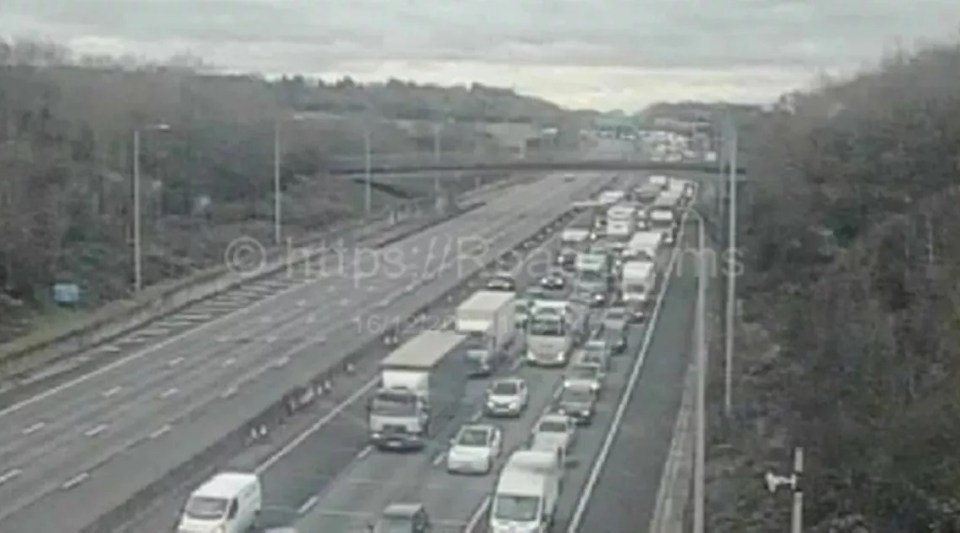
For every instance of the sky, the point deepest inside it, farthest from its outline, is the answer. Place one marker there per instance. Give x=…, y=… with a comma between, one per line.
x=600, y=54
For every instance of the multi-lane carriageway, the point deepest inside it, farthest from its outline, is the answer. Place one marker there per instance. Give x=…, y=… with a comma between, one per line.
x=77, y=450
x=351, y=499
x=329, y=480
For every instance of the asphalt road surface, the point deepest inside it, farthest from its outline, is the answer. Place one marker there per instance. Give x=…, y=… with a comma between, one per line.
x=79, y=449
x=624, y=497
x=457, y=503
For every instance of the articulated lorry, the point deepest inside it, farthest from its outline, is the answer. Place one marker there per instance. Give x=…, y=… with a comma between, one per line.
x=488, y=319
x=421, y=382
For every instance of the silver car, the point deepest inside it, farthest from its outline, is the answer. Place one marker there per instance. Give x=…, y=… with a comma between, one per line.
x=506, y=397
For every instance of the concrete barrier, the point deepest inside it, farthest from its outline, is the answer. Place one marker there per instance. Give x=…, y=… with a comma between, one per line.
x=23, y=355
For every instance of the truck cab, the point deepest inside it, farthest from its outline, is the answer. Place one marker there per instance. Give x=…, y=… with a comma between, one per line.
x=399, y=418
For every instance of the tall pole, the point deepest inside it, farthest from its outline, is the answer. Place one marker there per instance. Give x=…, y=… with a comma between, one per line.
x=276, y=182
x=797, y=515
x=436, y=159
x=701, y=417
x=137, y=257
x=731, y=279
x=366, y=156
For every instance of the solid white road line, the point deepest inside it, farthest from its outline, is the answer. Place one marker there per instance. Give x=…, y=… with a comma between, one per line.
x=474, y=522
x=631, y=384
x=317, y=426
x=307, y=505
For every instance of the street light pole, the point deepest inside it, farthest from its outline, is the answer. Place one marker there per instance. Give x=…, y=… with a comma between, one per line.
x=137, y=230
x=137, y=259
x=276, y=183
x=793, y=481
x=367, y=156
x=436, y=158
x=731, y=279
x=701, y=353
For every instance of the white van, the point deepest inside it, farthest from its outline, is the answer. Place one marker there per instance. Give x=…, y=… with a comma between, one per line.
x=525, y=497
x=228, y=502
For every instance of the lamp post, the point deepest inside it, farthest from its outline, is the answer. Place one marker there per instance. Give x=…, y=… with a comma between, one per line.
x=731, y=278
x=367, y=159
x=774, y=482
x=277, y=195
x=137, y=237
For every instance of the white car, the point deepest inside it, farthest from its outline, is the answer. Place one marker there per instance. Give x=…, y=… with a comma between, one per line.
x=475, y=449
x=556, y=428
x=506, y=397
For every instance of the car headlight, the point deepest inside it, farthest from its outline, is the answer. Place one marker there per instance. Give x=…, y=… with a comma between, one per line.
x=567, y=384
x=561, y=355
x=220, y=529
x=595, y=386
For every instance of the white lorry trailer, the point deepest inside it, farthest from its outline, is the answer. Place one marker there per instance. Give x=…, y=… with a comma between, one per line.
x=421, y=382
x=573, y=236
x=636, y=289
x=525, y=498
x=644, y=245
x=488, y=319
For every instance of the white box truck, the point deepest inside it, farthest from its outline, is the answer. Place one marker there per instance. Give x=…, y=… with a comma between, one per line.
x=574, y=235
x=488, y=319
x=644, y=245
x=420, y=382
x=525, y=497
x=636, y=289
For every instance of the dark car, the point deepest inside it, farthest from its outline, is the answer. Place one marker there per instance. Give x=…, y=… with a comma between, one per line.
x=553, y=281
x=502, y=282
x=615, y=324
x=579, y=403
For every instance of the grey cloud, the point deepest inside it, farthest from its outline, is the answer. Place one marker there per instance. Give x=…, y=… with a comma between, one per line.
x=631, y=33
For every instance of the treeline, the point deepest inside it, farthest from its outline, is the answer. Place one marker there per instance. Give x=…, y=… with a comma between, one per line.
x=66, y=159
x=853, y=240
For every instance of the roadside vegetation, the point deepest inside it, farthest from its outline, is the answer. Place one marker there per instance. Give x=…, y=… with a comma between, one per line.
x=66, y=162
x=850, y=345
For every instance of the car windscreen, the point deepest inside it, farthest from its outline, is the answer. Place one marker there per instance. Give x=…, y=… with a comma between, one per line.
x=574, y=395
x=583, y=372
x=205, y=508
x=516, y=508
x=473, y=437
x=393, y=404
x=394, y=524
x=504, y=388
x=546, y=326
x=552, y=426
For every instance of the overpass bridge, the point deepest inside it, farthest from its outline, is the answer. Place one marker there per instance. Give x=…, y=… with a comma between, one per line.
x=398, y=165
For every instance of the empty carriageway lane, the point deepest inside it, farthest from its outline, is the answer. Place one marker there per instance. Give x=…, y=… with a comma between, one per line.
x=620, y=490
x=85, y=473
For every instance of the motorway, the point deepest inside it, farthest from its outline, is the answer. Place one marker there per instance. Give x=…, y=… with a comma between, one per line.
x=81, y=448
x=332, y=482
